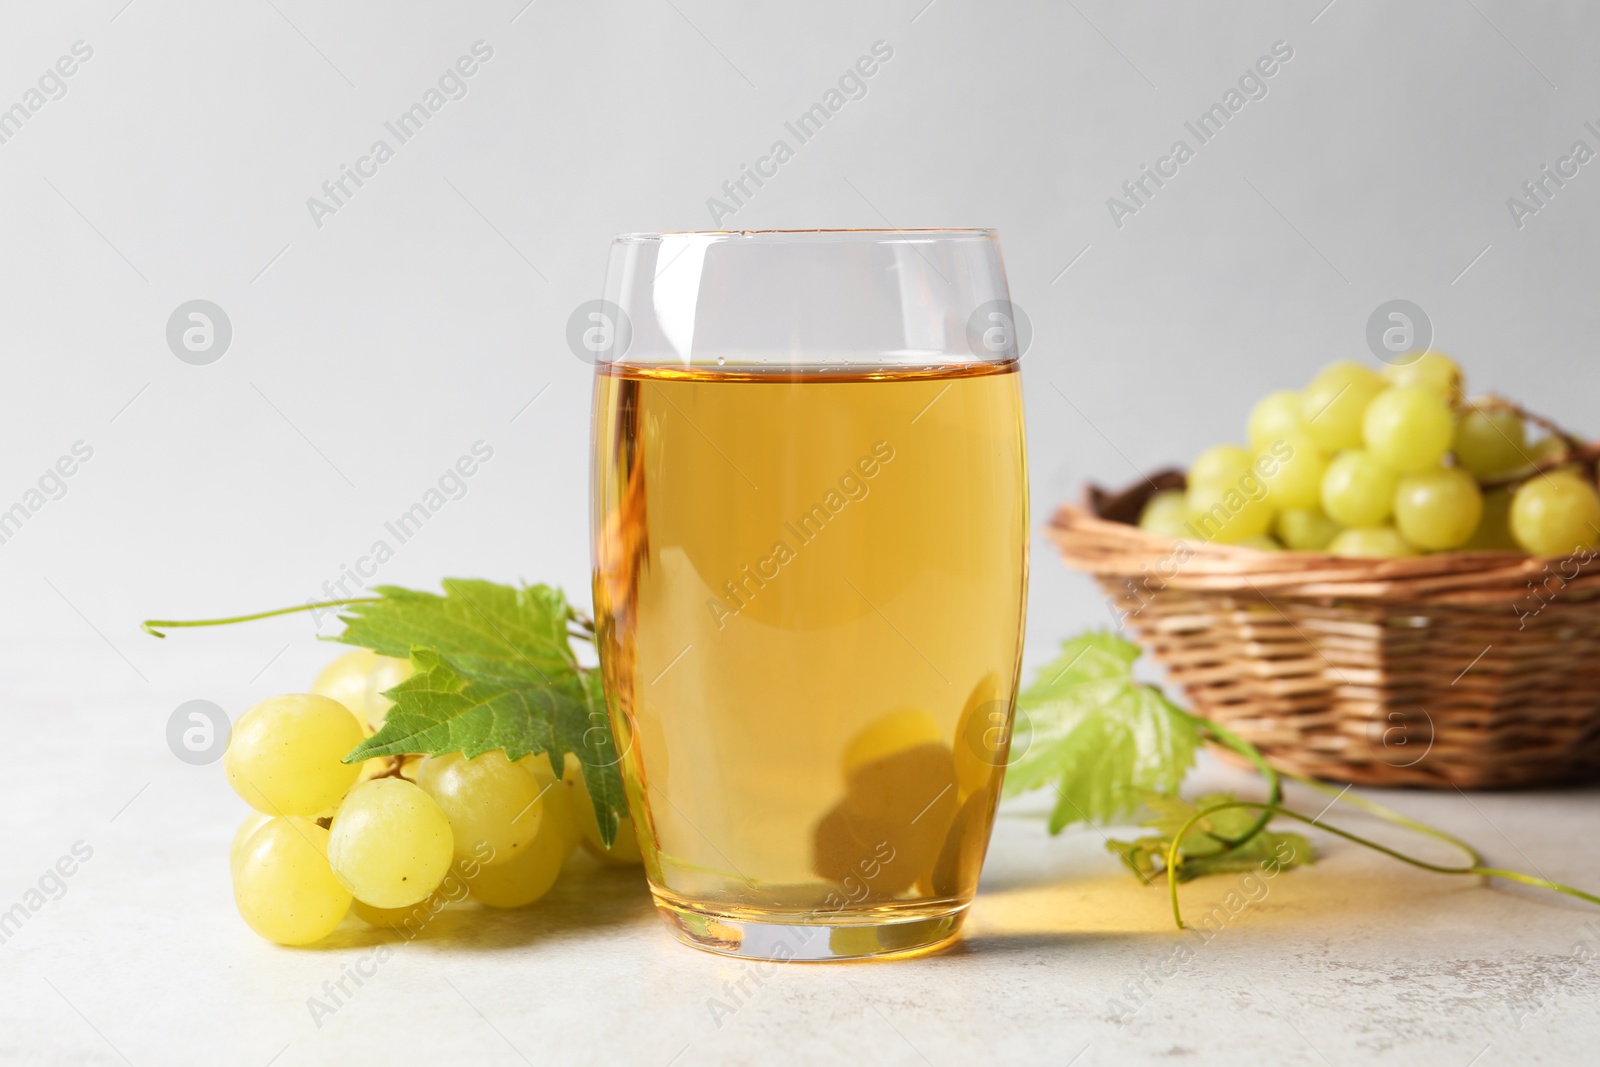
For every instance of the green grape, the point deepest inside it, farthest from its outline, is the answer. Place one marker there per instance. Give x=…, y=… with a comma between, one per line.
x=1275, y=415
x=1544, y=450
x=528, y=875
x=1378, y=542
x=560, y=800
x=1261, y=542
x=1437, y=509
x=390, y=845
x=1555, y=514
x=387, y=673
x=1295, y=466
x=1549, y=448
x=1357, y=490
x=625, y=849
x=1305, y=529
x=1494, y=528
x=1223, y=512
x=1491, y=442
x=345, y=680
x=1222, y=482
x=376, y=767
x=1433, y=371
x=283, y=886
x=1166, y=513
x=1220, y=464
x=1333, y=404
x=241, y=837
x=1408, y=429
x=284, y=755
x=488, y=800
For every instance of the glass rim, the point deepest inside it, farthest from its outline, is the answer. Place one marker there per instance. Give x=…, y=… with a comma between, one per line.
x=865, y=233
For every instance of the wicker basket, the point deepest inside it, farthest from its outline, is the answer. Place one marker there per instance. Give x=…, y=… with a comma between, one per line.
x=1440, y=671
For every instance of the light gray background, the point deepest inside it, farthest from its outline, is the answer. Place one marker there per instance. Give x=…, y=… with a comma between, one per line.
x=370, y=353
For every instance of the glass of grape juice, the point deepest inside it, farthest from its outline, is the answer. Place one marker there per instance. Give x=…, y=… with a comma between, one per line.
x=810, y=531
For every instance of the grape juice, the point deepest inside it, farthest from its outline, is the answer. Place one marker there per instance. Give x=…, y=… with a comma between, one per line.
x=809, y=591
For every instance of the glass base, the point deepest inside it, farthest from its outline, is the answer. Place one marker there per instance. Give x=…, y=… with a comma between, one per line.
x=811, y=941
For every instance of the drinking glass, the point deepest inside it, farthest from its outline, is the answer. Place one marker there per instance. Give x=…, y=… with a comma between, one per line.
x=810, y=530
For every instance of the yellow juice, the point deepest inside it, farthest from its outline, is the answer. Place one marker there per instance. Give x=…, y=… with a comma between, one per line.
x=809, y=591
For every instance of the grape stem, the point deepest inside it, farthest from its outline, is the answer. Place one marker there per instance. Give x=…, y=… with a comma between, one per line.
x=1270, y=811
x=582, y=627
x=394, y=770
x=1228, y=739
x=153, y=627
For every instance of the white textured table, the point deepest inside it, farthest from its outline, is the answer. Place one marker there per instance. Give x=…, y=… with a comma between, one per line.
x=143, y=960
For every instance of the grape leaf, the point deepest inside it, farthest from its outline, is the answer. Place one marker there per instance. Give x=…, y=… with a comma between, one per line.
x=1097, y=735
x=484, y=629
x=1205, y=848
x=493, y=669
x=600, y=759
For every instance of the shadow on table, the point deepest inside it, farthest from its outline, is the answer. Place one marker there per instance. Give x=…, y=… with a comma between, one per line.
x=1039, y=890
x=589, y=894
x=976, y=945
x=1065, y=894
x=1345, y=891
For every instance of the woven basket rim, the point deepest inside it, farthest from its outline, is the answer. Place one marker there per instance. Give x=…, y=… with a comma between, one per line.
x=1108, y=548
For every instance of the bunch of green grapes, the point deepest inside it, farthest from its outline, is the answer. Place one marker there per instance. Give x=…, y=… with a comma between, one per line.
x=392, y=839
x=1360, y=463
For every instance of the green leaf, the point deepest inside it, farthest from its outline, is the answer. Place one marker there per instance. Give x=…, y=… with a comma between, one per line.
x=486, y=630
x=493, y=669
x=600, y=760
x=1097, y=735
x=1205, y=849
